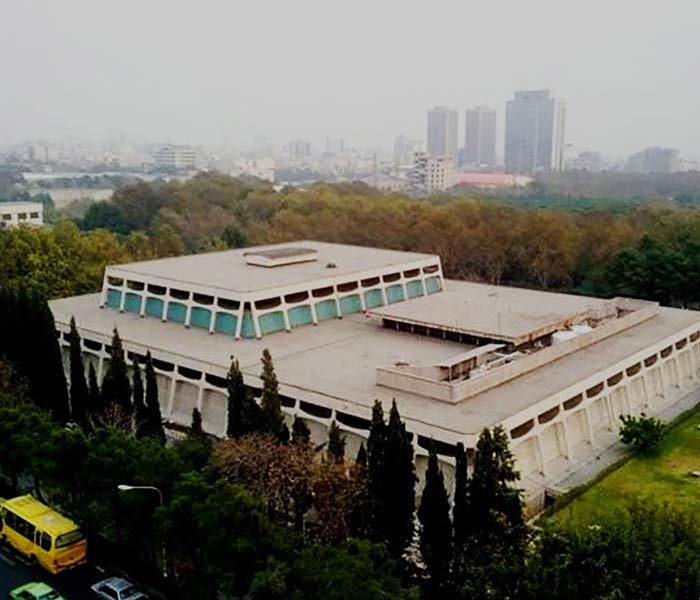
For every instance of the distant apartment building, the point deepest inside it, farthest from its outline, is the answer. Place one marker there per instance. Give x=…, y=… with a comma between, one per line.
x=299, y=149
x=586, y=161
x=181, y=158
x=13, y=214
x=480, y=137
x=534, y=132
x=431, y=174
x=335, y=146
x=442, y=132
x=262, y=168
x=655, y=159
x=404, y=149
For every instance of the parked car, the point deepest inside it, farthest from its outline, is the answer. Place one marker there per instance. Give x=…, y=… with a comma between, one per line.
x=118, y=588
x=35, y=591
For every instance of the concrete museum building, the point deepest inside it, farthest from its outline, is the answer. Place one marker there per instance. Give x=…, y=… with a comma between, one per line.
x=347, y=325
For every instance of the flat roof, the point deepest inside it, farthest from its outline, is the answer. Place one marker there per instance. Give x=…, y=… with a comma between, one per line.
x=335, y=362
x=228, y=270
x=497, y=312
x=21, y=205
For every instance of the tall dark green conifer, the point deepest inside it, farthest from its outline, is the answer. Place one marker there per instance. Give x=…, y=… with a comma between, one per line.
x=376, y=484
x=79, y=395
x=460, y=509
x=435, y=527
x=196, y=430
x=273, y=421
x=243, y=415
x=495, y=502
x=336, y=444
x=361, y=459
x=140, y=412
x=301, y=434
x=116, y=389
x=94, y=407
x=400, y=477
x=155, y=420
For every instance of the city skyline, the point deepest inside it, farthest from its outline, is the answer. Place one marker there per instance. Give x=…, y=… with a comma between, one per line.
x=320, y=81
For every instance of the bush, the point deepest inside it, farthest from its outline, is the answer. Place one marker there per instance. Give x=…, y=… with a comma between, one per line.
x=643, y=433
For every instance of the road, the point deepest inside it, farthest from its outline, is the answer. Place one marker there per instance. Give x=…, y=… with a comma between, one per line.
x=73, y=585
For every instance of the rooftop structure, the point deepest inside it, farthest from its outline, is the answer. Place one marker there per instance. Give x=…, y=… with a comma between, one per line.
x=554, y=370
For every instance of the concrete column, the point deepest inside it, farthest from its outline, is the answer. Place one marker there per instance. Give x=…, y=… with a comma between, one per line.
x=239, y=321
x=285, y=308
x=200, y=396
x=171, y=394
x=103, y=295
x=645, y=387
x=384, y=296
x=363, y=305
x=212, y=319
x=423, y=286
x=100, y=367
x=540, y=453
x=144, y=297
x=609, y=410
x=628, y=403
x=693, y=364
x=564, y=431
x=256, y=324
x=589, y=428
x=166, y=306
x=662, y=375
x=339, y=314
x=188, y=314
x=123, y=299
x=314, y=316
x=403, y=286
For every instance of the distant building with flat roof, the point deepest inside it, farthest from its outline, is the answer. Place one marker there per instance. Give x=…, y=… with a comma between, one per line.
x=442, y=132
x=13, y=214
x=480, y=137
x=348, y=325
x=181, y=158
x=534, y=132
x=431, y=174
x=655, y=159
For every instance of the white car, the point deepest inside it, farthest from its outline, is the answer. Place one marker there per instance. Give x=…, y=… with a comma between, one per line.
x=117, y=588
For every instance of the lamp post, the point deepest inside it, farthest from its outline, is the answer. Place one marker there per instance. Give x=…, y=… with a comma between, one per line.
x=128, y=488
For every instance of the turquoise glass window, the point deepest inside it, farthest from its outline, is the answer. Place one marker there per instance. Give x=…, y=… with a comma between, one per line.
x=432, y=284
x=271, y=322
x=132, y=303
x=200, y=317
x=326, y=310
x=114, y=298
x=247, y=327
x=414, y=289
x=154, y=307
x=350, y=305
x=225, y=323
x=394, y=293
x=177, y=312
x=300, y=315
x=373, y=298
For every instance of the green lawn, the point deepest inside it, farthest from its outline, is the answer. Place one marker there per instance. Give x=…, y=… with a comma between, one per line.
x=665, y=477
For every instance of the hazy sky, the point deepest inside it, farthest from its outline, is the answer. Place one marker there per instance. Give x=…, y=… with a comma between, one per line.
x=203, y=71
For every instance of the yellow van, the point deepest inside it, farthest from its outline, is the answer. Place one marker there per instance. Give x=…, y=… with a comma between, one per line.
x=42, y=534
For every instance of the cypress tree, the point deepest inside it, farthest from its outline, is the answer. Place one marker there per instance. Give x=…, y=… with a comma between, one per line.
x=435, y=525
x=140, y=412
x=116, y=389
x=496, y=505
x=361, y=459
x=243, y=415
x=400, y=477
x=376, y=484
x=154, y=418
x=94, y=407
x=460, y=509
x=196, y=430
x=301, y=434
x=79, y=395
x=273, y=421
x=336, y=444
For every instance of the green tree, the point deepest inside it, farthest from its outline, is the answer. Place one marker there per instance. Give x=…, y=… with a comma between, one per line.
x=644, y=433
x=336, y=444
x=301, y=434
x=243, y=414
x=196, y=430
x=154, y=420
x=435, y=527
x=94, y=407
x=116, y=389
x=376, y=484
x=140, y=412
x=273, y=421
x=361, y=459
x=79, y=395
x=460, y=509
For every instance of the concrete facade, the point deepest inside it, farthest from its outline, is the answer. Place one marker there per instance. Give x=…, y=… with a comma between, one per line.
x=558, y=397
x=13, y=214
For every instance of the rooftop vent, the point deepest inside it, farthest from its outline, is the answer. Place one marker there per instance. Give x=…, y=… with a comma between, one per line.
x=279, y=257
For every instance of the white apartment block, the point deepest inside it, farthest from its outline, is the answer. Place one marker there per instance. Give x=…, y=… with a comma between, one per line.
x=13, y=214
x=431, y=173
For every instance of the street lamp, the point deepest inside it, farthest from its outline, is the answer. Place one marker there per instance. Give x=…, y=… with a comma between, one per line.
x=122, y=487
